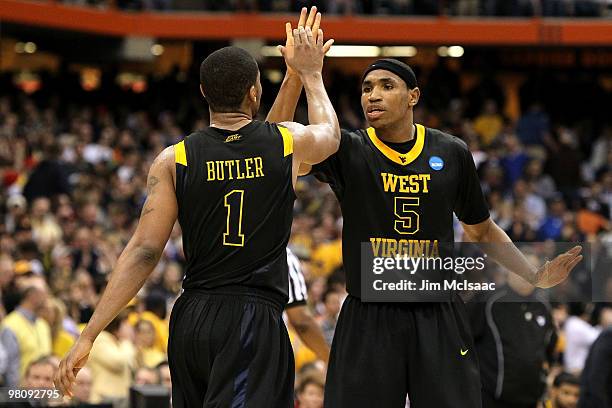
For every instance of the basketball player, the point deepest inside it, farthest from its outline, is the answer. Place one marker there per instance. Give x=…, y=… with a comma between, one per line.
x=231, y=188
x=398, y=181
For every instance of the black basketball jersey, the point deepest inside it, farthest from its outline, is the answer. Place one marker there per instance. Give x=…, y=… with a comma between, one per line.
x=235, y=199
x=401, y=202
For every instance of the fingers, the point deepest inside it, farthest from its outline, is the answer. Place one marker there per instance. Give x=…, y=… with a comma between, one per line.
x=571, y=264
x=309, y=36
x=289, y=33
x=328, y=45
x=317, y=23
x=311, y=17
x=319, y=38
x=296, y=37
x=282, y=49
x=302, y=20
x=303, y=36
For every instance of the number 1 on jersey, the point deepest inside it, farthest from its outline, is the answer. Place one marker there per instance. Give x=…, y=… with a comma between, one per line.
x=233, y=235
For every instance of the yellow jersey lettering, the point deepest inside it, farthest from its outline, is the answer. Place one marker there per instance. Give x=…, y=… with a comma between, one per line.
x=210, y=166
x=425, y=178
x=258, y=167
x=239, y=174
x=230, y=169
x=414, y=183
x=247, y=167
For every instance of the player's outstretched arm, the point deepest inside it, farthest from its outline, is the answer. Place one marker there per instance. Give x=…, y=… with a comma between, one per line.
x=136, y=262
x=309, y=331
x=508, y=255
x=317, y=141
x=288, y=96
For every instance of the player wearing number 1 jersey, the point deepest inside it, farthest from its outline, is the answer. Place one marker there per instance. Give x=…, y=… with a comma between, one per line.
x=231, y=188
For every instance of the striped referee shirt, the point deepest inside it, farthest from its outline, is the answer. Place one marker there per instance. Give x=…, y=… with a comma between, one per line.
x=297, y=284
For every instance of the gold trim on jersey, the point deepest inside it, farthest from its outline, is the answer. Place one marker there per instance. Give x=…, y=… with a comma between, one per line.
x=400, y=158
x=287, y=141
x=180, y=155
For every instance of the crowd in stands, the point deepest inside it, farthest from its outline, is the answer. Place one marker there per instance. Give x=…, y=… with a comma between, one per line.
x=73, y=167
x=514, y=8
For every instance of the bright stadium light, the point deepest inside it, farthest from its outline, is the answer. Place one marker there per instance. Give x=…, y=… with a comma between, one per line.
x=455, y=51
x=270, y=51
x=157, y=49
x=354, y=51
x=399, y=51
x=19, y=47
x=443, y=51
x=29, y=47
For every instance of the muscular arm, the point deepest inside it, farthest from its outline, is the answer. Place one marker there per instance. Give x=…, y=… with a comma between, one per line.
x=509, y=256
x=287, y=99
x=309, y=331
x=145, y=247
x=316, y=142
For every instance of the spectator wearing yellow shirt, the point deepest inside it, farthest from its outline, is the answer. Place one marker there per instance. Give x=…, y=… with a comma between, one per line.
x=489, y=123
x=54, y=314
x=111, y=360
x=25, y=335
x=147, y=355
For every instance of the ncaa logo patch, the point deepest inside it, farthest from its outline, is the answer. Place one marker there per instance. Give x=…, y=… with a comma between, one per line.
x=436, y=163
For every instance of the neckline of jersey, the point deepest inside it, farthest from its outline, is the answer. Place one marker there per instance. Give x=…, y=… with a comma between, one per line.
x=403, y=159
x=222, y=133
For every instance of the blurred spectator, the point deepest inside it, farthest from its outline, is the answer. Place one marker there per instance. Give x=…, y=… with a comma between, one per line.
x=597, y=374
x=533, y=127
x=82, y=387
x=25, y=335
x=553, y=223
x=111, y=360
x=564, y=392
x=54, y=313
x=515, y=339
x=147, y=355
x=164, y=374
x=515, y=159
x=579, y=337
x=49, y=178
x=310, y=392
x=489, y=123
x=146, y=376
x=333, y=303
x=39, y=373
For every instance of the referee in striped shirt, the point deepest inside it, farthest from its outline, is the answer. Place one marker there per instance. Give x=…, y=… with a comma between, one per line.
x=298, y=314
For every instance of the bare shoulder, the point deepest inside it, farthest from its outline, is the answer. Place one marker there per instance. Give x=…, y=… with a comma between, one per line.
x=296, y=129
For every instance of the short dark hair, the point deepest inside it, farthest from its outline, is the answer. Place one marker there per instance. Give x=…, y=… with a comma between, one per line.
x=226, y=76
x=565, y=378
x=308, y=380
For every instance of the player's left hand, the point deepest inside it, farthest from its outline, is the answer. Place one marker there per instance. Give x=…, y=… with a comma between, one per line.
x=71, y=364
x=310, y=20
x=556, y=271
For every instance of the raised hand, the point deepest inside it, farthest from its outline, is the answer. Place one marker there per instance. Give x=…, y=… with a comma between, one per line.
x=313, y=22
x=556, y=271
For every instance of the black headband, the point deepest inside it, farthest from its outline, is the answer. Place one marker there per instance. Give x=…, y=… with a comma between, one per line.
x=397, y=67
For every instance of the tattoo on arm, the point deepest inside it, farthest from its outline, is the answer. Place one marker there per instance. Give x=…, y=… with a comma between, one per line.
x=146, y=210
x=153, y=181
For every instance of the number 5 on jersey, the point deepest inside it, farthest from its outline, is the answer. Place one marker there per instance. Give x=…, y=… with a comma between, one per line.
x=233, y=235
x=408, y=219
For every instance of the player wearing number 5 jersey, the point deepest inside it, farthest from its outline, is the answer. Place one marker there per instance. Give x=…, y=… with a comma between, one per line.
x=398, y=184
x=231, y=188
